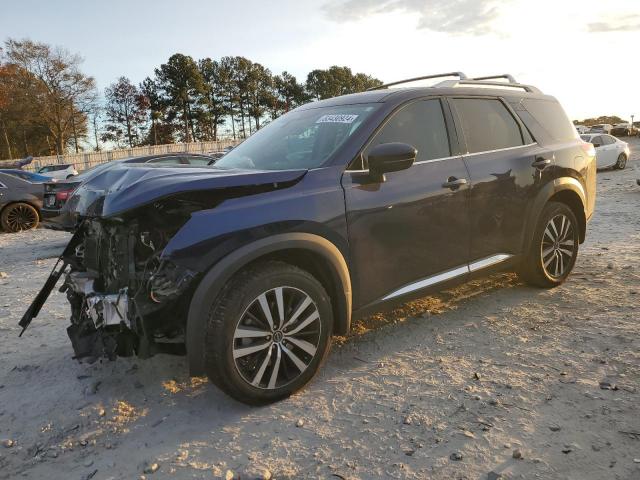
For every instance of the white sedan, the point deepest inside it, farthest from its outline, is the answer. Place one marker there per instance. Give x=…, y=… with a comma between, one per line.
x=59, y=172
x=610, y=151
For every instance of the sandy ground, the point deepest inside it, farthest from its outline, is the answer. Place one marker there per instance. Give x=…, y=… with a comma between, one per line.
x=453, y=386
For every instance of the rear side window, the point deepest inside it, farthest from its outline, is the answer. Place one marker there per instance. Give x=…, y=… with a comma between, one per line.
x=487, y=124
x=420, y=124
x=552, y=118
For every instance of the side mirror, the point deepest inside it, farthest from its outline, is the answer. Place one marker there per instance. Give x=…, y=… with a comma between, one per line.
x=596, y=145
x=390, y=157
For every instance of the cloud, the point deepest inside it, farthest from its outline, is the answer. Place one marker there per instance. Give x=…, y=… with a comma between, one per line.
x=450, y=16
x=627, y=23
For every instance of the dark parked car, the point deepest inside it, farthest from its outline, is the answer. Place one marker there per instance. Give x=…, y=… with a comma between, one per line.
x=20, y=203
x=56, y=194
x=337, y=209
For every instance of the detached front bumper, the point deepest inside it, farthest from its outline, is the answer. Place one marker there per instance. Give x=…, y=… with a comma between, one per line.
x=100, y=323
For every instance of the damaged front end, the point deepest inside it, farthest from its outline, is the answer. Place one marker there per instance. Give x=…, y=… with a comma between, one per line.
x=125, y=298
x=128, y=290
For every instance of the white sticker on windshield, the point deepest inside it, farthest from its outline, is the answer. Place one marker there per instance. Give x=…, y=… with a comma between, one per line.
x=337, y=118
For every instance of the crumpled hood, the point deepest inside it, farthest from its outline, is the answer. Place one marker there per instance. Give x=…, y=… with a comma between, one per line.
x=127, y=186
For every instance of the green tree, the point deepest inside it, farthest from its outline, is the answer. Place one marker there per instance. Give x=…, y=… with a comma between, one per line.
x=213, y=101
x=125, y=110
x=182, y=85
x=337, y=81
x=289, y=94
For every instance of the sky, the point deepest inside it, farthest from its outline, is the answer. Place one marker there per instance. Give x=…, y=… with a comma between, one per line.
x=586, y=53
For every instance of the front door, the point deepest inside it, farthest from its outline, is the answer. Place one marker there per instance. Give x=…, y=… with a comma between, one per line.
x=407, y=230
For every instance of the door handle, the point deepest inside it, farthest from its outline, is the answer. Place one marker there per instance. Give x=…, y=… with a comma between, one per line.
x=454, y=183
x=541, y=163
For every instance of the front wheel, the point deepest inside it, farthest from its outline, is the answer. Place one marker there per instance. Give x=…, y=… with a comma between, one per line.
x=554, y=247
x=267, y=333
x=622, y=161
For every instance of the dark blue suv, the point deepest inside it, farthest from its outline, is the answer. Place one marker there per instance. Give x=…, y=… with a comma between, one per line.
x=337, y=209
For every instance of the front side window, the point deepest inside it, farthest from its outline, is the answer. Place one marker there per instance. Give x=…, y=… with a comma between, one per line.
x=487, y=124
x=420, y=124
x=608, y=140
x=298, y=140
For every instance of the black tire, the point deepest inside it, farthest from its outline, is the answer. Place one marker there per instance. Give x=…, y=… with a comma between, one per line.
x=19, y=216
x=622, y=161
x=239, y=310
x=547, y=264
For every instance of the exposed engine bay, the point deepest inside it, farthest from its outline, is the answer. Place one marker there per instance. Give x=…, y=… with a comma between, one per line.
x=125, y=298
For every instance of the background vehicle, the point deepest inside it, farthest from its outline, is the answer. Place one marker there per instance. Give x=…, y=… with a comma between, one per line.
x=59, y=172
x=582, y=128
x=621, y=130
x=610, y=151
x=25, y=175
x=601, y=128
x=56, y=194
x=339, y=208
x=20, y=203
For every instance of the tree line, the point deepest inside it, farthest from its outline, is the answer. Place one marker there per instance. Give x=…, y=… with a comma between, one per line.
x=49, y=106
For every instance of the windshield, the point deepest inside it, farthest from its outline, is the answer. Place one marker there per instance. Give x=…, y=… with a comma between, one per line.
x=299, y=139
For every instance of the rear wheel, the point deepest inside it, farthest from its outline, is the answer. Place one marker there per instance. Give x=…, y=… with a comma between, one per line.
x=622, y=161
x=267, y=333
x=554, y=247
x=19, y=216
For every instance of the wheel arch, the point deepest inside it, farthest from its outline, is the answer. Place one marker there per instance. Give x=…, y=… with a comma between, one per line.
x=567, y=190
x=312, y=253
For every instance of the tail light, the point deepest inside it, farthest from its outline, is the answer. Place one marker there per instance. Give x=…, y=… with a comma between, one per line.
x=63, y=195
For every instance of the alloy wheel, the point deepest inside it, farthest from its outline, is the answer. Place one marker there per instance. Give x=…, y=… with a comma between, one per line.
x=276, y=338
x=21, y=217
x=558, y=246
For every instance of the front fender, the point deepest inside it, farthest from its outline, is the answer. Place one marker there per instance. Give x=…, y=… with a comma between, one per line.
x=216, y=278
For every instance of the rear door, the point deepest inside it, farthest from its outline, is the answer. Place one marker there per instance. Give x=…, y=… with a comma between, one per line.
x=507, y=169
x=412, y=230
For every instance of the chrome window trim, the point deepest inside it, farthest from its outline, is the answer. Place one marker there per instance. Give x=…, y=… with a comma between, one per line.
x=2, y=185
x=456, y=156
x=468, y=154
x=449, y=274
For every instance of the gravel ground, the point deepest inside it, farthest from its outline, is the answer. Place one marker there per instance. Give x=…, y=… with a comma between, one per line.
x=492, y=376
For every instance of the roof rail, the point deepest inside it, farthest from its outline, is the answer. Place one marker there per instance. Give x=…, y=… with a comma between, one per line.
x=460, y=75
x=494, y=77
x=482, y=83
